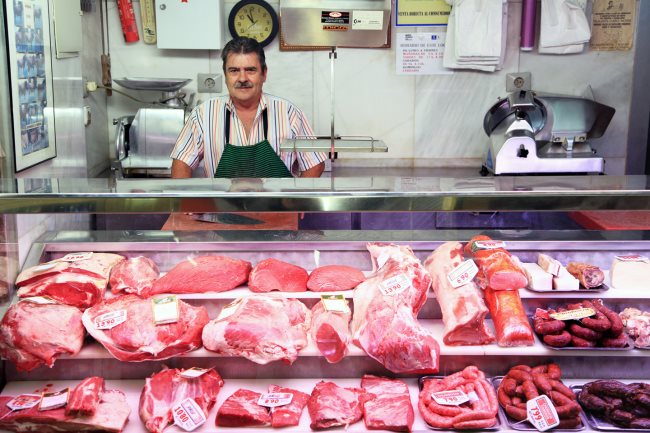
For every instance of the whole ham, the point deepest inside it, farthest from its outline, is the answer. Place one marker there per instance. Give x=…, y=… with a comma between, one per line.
x=498, y=269
x=333, y=278
x=272, y=274
x=330, y=330
x=165, y=389
x=289, y=414
x=387, y=405
x=203, y=274
x=241, y=410
x=331, y=405
x=138, y=338
x=590, y=276
x=135, y=275
x=33, y=334
x=510, y=321
x=262, y=328
x=463, y=308
x=85, y=397
x=384, y=323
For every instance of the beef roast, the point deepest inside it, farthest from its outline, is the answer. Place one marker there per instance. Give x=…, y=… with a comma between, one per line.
x=241, y=410
x=35, y=334
x=387, y=405
x=139, y=338
x=330, y=330
x=289, y=414
x=272, y=274
x=331, y=405
x=85, y=397
x=333, y=278
x=135, y=275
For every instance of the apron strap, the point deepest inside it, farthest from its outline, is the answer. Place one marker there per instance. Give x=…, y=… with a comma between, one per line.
x=265, y=121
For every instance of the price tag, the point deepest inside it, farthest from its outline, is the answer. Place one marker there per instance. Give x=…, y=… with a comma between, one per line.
x=275, y=399
x=578, y=313
x=188, y=415
x=44, y=267
x=541, y=413
x=165, y=309
x=317, y=257
x=487, y=245
x=381, y=260
x=75, y=257
x=632, y=258
x=40, y=300
x=110, y=320
x=23, y=401
x=229, y=309
x=194, y=372
x=450, y=398
x=335, y=303
x=395, y=285
x=463, y=273
x=54, y=400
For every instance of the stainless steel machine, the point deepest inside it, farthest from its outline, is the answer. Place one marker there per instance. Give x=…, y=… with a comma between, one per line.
x=536, y=134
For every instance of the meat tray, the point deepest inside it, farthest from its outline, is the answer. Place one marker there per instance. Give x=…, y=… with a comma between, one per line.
x=628, y=346
x=596, y=423
x=602, y=288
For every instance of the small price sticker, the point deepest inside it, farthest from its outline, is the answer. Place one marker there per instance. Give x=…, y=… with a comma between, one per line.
x=165, y=309
x=229, y=309
x=317, y=257
x=450, y=398
x=275, y=399
x=335, y=303
x=393, y=286
x=541, y=413
x=381, y=260
x=188, y=415
x=487, y=245
x=632, y=258
x=45, y=266
x=40, y=300
x=54, y=400
x=463, y=273
x=110, y=320
x=194, y=372
x=24, y=401
x=578, y=313
x=76, y=257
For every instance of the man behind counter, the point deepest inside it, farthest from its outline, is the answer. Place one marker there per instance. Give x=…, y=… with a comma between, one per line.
x=240, y=135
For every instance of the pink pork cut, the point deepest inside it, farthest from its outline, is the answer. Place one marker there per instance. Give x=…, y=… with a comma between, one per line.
x=385, y=323
x=241, y=410
x=330, y=405
x=388, y=404
x=165, y=389
x=35, y=334
x=272, y=274
x=333, y=278
x=85, y=397
x=463, y=307
x=330, y=330
x=262, y=328
x=97, y=265
x=203, y=274
x=288, y=415
x=135, y=275
x=139, y=338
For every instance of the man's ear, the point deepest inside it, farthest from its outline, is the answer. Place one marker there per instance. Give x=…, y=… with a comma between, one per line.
x=266, y=70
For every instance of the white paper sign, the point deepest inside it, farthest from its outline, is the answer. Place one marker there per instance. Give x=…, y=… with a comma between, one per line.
x=275, y=399
x=194, y=372
x=463, y=273
x=578, y=313
x=165, y=309
x=632, y=258
x=395, y=285
x=541, y=413
x=54, y=400
x=110, y=320
x=420, y=54
x=487, y=245
x=44, y=267
x=229, y=309
x=75, y=257
x=188, y=415
x=450, y=398
x=367, y=20
x=23, y=401
x=40, y=300
x=335, y=303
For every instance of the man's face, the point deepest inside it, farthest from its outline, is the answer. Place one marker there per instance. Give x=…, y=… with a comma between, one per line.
x=244, y=78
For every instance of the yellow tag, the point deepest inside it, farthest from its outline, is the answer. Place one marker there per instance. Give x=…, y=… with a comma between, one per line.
x=335, y=303
x=579, y=313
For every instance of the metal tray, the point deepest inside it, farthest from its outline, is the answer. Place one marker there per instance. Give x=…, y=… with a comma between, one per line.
x=595, y=423
x=628, y=346
x=603, y=287
x=159, y=84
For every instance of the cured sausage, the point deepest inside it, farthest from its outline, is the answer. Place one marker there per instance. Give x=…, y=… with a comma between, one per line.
x=614, y=318
x=554, y=371
x=542, y=383
x=516, y=413
x=581, y=342
x=584, y=332
x=562, y=388
x=598, y=323
x=530, y=390
x=560, y=340
x=510, y=321
x=620, y=341
x=509, y=385
x=519, y=376
x=569, y=423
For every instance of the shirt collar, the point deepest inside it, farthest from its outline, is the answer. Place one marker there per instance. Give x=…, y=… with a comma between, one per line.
x=264, y=103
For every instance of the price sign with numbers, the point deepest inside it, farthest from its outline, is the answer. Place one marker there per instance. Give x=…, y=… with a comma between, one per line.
x=54, y=400
x=487, y=245
x=110, y=320
x=393, y=286
x=23, y=401
x=188, y=415
x=275, y=399
x=463, y=273
x=454, y=397
x=75, y=257
x=541, y=413
x=165, y=309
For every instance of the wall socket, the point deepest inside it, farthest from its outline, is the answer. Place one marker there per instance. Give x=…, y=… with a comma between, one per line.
x=208, y=83
x=519, y=81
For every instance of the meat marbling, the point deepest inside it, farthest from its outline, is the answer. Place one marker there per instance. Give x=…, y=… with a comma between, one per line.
x=331, y=405
x=85, y=397
x=388, y=404
x=330, y=330
x=289, y=414
x=332, y=278
x=241, y=410
x=135, y=275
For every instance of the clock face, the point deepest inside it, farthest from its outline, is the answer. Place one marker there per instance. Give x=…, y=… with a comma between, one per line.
x=254, y=19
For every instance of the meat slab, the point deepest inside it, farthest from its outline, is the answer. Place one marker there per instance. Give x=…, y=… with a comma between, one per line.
x=139, y=338
x=85, y=397
x=271, y=274
x=261, y=328
x=498, y=268
x=288, y=415
x=463, y=307
x=165, y=389
x=330, y=330
x=241, y=410
x=331, y=405
x=33, y=334
x=388, y=404
x=332, y=278
x=135, y=275
x=384, y=323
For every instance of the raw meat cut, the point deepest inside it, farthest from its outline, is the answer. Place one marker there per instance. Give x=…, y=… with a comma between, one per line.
x=96, y=265
x=241, y=410
x=139, y=338
x=272, y=274
x=333, y=278
x=203, y=274
x=165, y=389
x=637, y=325
x=388, y=404
x=463, y=308
x=590, y=276
x=85, y=397
x=135, y=275
x=384, y=323
x=288, y=415
x=330, y=330
x=497, y=267
x=330, y=405
x=111, y=415
x=35, y=334
x=510, y=321
x=262, y=328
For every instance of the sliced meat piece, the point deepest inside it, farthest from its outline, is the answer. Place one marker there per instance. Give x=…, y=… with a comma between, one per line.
x=271, y=274
x=388, y=404
x=590, y=276
x=330, y=330
x=203, y=274
x=77, y=290
x=331, y=405
x=85, y=397
x=97, y=265
x=332, y=278
x=510, y=321
x=288, y=415
x=498, y=269
x=241, y=410
x=135, y=275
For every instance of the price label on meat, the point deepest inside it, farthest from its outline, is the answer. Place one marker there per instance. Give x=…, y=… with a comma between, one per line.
x=230, y=309
x=23, y=401
x=395, y=285
x=194, y=372
x=487, y=245
x=54, y=400
x=632, y=258
x=335, y=303
x=578, y=313
x=188, y=415
x=75, y=257
x=541, y=413
x=165, y=309
x=110, y=320
x=450, y=398
x=44, y=267
x=463, y=273
x=40, y=300
x=275, y=399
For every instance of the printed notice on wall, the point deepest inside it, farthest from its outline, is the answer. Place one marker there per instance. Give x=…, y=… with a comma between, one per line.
x=421, y=12
x=421, y=54
x=612, y=27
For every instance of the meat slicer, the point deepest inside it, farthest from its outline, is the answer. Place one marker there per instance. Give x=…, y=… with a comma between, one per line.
x=536, y=134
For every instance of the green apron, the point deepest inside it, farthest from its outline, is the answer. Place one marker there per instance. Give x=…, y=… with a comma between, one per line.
x=258, y=160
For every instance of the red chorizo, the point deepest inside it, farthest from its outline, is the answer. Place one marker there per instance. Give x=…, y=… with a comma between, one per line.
x=599, y=322
x=540, y=369
x=584, y=332
x=554, y=371
x=516, y=413
x=546, y=326
x=530, y=390
x=516, y=401
x=568, y=423
x=519, y=392
x=472, y=416
x=522, y=367
x=519, y=375
x=542, y=383
x=565, y=407
x=621, y=341
x=509, y=386
x=504, y=399
x=562, y=388
x=560, y=340
x=581, y=342
x=475, y=424
x=614, y=318
x=432, y=418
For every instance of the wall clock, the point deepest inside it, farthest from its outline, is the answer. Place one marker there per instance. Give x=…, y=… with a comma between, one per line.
x=254, y=19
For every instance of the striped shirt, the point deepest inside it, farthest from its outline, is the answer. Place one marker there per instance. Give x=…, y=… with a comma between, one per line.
x=202, y=137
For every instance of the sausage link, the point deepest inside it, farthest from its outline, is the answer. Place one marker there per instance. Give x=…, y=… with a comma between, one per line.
x=554, y=371
x=560, y=340
x=504, y=399
x=562, y=388
x=516, y=413
x=614, y=318
x=530, y=390
x=592, y=402
x=643, y=423
x=519, y=375
x=540, y=369
x=491, y=395
x=598, y=323
x=509, y=386
x=565, y=407
x=433, y=419
x=516, y=401
x=546, y=326
x=584, y=332
x=522, y=367
x=475, y=424
x=621, y=341
x=542, y=383
x=581, y=342
x=569, y=423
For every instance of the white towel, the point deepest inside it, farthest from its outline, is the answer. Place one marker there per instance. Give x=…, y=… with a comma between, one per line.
x=564, y=28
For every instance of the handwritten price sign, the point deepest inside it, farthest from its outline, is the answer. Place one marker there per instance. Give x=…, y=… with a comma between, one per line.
x=463, y=273
x=454, y=397
x=395, y=285
x=110, y=320
x=188, y=415
x=275, y=399
x=542, y=413
x=75, y=257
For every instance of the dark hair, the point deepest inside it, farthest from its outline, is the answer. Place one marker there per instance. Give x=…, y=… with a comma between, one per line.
x=243, y=45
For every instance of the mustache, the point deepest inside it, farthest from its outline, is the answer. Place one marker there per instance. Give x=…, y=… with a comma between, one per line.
x=243, y=85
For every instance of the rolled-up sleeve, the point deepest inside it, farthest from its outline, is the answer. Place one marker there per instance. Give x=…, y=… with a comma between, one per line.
x=189, y=145
x=300, y=128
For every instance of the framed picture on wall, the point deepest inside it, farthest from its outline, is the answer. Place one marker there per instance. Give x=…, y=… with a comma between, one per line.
x=28, y=39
